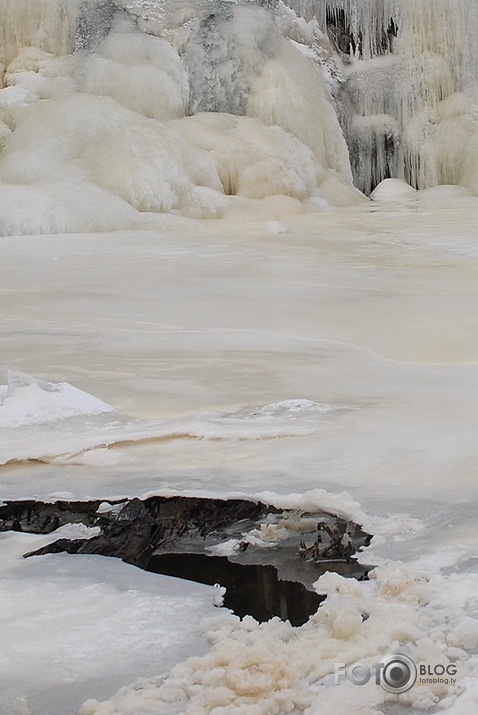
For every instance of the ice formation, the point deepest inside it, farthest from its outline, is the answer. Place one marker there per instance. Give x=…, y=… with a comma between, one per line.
x=25, y=400
x=273, y=668
x=114, y=112
x=165, y=107
x=108, y=114
x=60, y=423
x=407, y=87
x=142, y=108
x=93, y=616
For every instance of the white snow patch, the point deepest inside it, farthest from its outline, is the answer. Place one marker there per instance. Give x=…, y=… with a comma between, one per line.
x=393, y=190
x=25, y=400
x=76, y=625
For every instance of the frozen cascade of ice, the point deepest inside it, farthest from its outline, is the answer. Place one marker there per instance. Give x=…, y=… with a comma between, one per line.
x=154, y=106
x=147, y=108
x=406, y=101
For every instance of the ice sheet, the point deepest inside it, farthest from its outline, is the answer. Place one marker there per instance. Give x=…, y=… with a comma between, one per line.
x=333, y=366
x=73, y=626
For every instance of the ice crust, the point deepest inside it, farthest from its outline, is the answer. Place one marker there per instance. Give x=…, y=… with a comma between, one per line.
x=87, y=622
x=58, y=422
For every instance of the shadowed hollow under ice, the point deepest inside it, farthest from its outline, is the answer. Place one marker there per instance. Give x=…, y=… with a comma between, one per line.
x=239, y=255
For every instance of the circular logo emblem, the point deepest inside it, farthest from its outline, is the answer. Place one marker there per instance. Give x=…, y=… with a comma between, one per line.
x=398, y=674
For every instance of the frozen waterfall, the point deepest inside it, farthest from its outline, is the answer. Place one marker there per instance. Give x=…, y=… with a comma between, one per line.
x=407, y=86
x=115, y=111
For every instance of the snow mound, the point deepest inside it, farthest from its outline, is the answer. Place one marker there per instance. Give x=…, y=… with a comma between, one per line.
x=393, y=190
x=26, y=400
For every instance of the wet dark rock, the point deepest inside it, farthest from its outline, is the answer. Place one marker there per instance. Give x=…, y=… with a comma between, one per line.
x=129, y=537
x=37, y=517
x=338, y=29
x=266, y=558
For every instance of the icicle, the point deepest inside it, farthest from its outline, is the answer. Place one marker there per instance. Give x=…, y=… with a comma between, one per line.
x=402, y=60
x=49, y=25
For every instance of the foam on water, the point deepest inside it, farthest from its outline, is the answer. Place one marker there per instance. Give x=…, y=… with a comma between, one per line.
x=274, y=668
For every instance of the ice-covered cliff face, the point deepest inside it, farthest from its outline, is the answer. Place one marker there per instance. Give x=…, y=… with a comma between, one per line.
x=115, y=111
